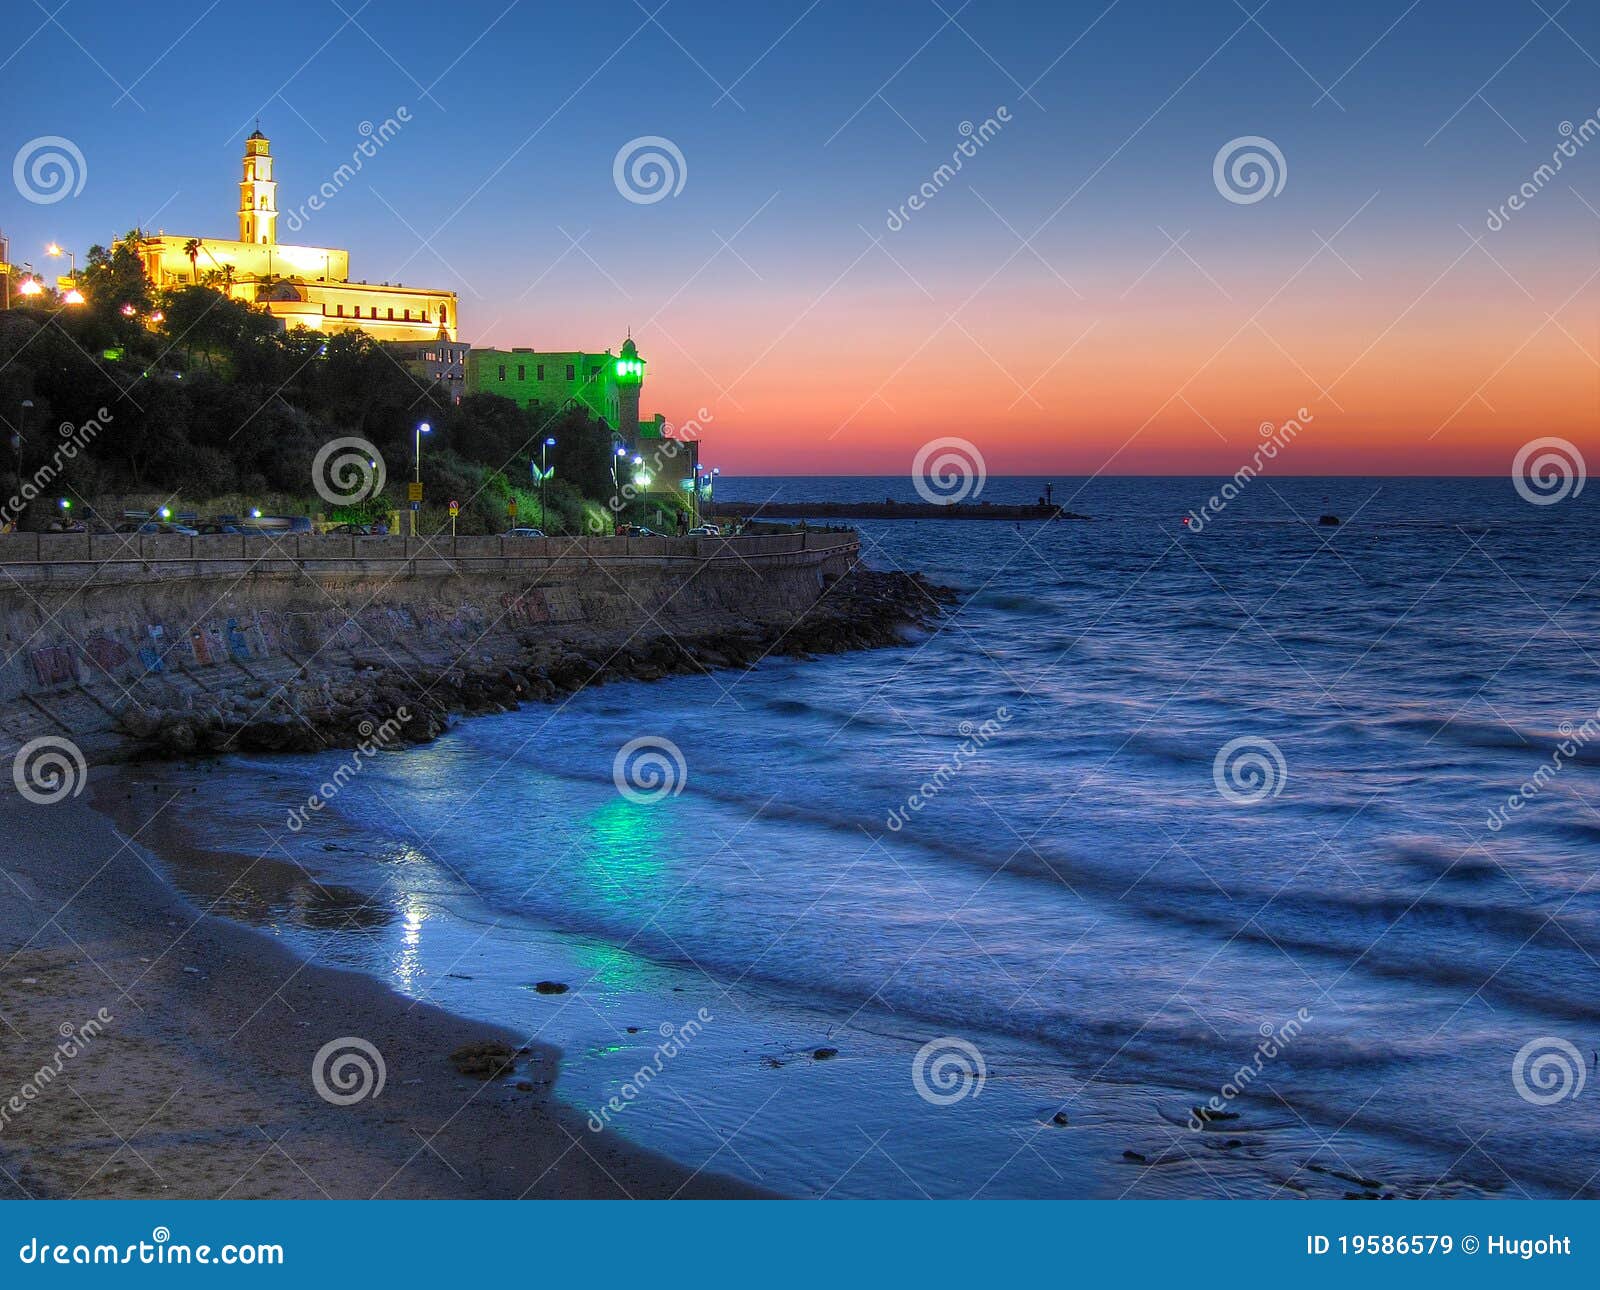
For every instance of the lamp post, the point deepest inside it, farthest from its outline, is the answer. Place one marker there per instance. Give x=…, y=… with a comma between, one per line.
x=72, y=259
x=16, y=444
x=422, y=428
x=544, y=475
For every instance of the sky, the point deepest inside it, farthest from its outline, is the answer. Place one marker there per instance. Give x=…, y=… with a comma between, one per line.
x=1087, y=293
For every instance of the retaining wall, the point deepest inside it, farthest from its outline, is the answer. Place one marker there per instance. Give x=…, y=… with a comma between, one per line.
x=91, y=623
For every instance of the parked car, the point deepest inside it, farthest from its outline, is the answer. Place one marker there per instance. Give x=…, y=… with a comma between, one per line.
x=213, y=530
x=524, y=533
x=349, y=530
x=158, y=526
x=705, y=530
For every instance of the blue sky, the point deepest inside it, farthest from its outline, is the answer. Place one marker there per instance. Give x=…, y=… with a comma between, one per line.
x=801, y=125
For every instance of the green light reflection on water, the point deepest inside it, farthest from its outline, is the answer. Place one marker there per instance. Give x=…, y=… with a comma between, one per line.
x=619, y=851
x=621, y=858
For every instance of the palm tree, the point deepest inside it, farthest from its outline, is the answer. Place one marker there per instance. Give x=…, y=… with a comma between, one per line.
x=191, y=248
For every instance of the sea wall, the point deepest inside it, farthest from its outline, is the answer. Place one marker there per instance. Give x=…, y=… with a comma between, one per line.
x=175, y=643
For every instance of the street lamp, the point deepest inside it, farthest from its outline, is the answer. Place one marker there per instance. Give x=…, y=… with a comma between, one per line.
x=73, y=297
x=422, y=428
x=616, y=479
x=16, y=442
x=544, y=475
x=30, y=287
x=72, y=260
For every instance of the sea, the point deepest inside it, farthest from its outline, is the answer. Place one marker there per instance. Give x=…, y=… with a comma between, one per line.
x=1247, y=857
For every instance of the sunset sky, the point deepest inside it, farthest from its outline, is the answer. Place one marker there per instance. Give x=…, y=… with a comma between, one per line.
x=1036, y=305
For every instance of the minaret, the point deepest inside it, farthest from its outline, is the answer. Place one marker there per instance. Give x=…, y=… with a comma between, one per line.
x=258, y=193
x=630, y=376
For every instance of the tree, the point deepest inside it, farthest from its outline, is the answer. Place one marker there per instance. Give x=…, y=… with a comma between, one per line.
x=191, y=248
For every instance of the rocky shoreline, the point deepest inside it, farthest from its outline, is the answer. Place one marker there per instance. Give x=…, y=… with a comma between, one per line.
x=339, y=704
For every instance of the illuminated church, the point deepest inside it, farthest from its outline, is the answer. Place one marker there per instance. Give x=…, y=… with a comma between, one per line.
x=301, y=286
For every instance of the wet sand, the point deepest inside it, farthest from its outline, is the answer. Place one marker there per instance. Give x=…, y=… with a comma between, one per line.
x=177, y=1052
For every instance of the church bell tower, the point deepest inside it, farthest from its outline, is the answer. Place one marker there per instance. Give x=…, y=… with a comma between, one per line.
x=258, y=193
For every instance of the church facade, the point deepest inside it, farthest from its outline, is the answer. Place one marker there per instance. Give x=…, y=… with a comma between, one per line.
x=300, y=286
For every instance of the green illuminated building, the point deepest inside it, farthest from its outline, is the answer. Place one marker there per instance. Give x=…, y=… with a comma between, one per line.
x=607, y=384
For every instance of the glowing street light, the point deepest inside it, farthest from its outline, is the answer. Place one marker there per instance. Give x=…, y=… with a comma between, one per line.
x=73, y=297
x=72, y=260
x=422, y=428
x=30, y=287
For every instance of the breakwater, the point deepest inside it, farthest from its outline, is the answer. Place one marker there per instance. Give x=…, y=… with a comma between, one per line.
x=887, y=510
x=173, y=644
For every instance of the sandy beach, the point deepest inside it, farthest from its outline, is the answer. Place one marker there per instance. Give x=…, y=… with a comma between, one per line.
x=153, y=1051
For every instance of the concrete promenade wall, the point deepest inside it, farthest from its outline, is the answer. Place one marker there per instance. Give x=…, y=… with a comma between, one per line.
x=31, y=559
x=92, y=624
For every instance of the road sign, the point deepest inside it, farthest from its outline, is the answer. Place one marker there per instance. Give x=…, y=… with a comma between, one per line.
x=416, y=506
x=455, y=508
x=414, y=491
x=512, y=506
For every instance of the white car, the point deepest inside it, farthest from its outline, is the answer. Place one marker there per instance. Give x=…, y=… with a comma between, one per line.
x=524, y=533
x=705, y=530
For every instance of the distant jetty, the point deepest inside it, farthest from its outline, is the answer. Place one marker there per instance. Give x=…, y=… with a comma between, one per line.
x=888, y=510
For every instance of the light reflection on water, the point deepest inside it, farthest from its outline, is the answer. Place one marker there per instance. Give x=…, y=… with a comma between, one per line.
x=1079, y=901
